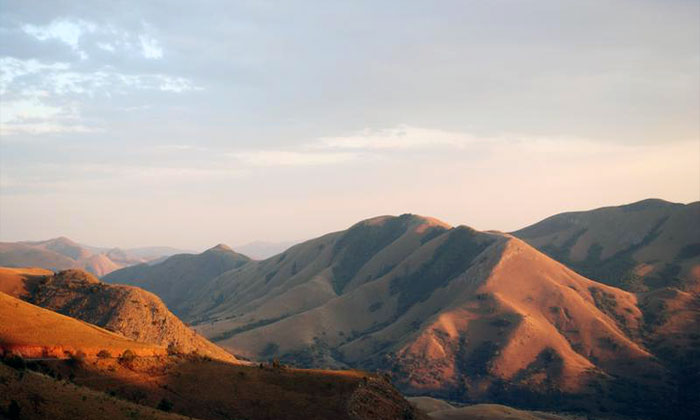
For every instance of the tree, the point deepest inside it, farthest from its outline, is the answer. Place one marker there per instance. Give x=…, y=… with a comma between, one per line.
x=165, y=405
x=104, y=354
x=127, y=357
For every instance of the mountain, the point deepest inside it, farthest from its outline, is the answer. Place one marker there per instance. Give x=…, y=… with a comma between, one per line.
x=62, y=253
x=37, y=383
x=179, y=276
x=17, y=254
x=129, y=311
x=450, y=311
x=640, y=246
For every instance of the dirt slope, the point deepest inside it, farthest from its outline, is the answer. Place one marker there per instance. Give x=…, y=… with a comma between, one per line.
x=637, y=247
x=130, y=311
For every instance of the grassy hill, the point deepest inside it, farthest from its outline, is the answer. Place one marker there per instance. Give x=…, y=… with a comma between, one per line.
x=638, y=247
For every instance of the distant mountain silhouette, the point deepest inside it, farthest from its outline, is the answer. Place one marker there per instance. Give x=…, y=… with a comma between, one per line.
x=180, y=276
x=62, y=253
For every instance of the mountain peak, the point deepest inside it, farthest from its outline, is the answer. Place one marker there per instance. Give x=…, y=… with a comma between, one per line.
x=408, y=217
x=220, y=248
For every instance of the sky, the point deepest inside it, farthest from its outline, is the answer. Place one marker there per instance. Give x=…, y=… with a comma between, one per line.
x=134, y=123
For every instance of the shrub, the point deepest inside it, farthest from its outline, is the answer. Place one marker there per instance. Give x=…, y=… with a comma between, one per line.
x=165, y=405
x=104, y=354
x=174, y=349
x=15, y=361
x=76, y=358
x=127, y=357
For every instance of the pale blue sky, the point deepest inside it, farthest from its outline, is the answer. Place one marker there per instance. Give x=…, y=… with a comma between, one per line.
x=138, y=123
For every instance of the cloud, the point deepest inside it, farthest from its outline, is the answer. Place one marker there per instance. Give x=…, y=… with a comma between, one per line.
x=401, y=137
x=67, y=31
x=150, y=47
x=41, y=98
x=269, y=158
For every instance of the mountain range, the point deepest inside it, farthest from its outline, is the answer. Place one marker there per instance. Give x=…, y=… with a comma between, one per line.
x=62, y=253
x=593, y=312
x=477, y=316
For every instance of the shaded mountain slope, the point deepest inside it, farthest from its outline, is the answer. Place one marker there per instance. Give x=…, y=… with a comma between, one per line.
x=130, y=311
x=672, y=333
x=210, y=389
x=637, y=247
x=39, y=396
x=450, y=311
x=179, y=276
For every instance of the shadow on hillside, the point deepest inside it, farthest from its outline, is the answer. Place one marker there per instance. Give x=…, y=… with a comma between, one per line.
x=209, y=389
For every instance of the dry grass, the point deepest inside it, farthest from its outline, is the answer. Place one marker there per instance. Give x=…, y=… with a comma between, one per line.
x=36, y=332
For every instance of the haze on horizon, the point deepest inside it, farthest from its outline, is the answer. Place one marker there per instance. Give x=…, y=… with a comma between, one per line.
x=164, y=124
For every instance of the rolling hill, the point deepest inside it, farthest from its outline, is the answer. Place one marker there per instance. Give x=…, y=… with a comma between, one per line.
x=638, y=247
x=129, y=311
x=180, y=276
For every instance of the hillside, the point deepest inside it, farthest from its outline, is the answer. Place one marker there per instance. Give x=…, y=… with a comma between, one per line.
x=637, y=247
x=62, y=253
x=130, y=311
x=452, y=312
x=179, y=276
x=38, y=396
x=193, y=386
x=35, y=332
